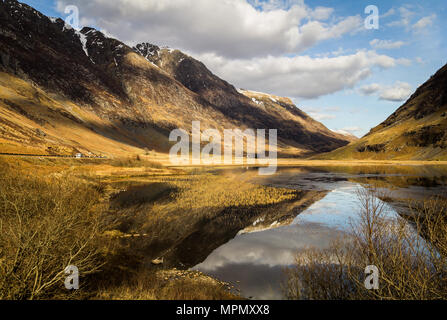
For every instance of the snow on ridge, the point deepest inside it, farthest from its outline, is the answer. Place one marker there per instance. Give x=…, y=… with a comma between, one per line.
x=256, y=101
x=66, y=27
x=82, y=37
x=272, y=97
x=170, y=50
x=83, y=40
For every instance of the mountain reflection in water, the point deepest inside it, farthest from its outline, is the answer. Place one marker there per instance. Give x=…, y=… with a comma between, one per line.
x=255, y=258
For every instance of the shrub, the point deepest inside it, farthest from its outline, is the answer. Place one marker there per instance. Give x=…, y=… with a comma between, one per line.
x=46, y=224
x=137, y=162
x=409, y=252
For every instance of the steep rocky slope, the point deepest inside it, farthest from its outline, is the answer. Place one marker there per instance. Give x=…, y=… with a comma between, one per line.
x=298, y=126
x=64, y=91
x=258, y=110
x=417, y=130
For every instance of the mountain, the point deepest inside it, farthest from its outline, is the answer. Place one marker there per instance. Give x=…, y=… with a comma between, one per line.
x=64, y=91
x=296, y=129
x=416, y=131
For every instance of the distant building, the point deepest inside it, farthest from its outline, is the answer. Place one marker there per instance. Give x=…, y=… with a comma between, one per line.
x=78, y=155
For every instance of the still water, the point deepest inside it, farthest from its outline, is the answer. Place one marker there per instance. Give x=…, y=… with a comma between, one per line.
x=254, y=260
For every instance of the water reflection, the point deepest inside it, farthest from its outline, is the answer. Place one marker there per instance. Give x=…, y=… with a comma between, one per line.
x=254, y=260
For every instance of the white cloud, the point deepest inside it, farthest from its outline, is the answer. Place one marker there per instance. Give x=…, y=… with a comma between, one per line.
x=269, y=5
x=332, y=109
x=370, y=89
x=403, y=61
x=424, y=22
x=300, y=76
x=252, y=44
x=320, y=114
x=405, y=18
x=230, y=28
x=390, y=12
x=400, y=91
x=386, y=44
x=349, y=130
x=322, y=13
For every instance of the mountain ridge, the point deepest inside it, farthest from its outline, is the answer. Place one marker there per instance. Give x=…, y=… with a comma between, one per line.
x=65, y=91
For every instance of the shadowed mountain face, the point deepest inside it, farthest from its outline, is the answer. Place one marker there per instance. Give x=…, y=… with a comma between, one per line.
x=64, y=91
x=417, y=130
x=256, y=110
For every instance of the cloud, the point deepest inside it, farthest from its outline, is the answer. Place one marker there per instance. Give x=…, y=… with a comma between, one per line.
x=349, y=130
x=332, y=109
x=322, y=13
x=320, y=114
x=386, y=44
x=405, y=18
x=404, y=61
x=420, y=60
x=269, y=5
x=370, y=89
x=424, y=22
x=400, y=91
x=252, y=44
x=390, y=12
x=230, y=28
x=299, y=76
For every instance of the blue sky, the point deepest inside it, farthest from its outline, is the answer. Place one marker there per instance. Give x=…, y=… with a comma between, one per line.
x=429, y=45
x=316, y=52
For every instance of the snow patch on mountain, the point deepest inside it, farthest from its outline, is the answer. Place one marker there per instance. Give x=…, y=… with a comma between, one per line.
x=83, y=40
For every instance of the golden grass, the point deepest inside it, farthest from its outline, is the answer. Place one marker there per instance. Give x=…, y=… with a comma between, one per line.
x=168, y=209
x=162, y=215
x=18, y=128
x=160, y=207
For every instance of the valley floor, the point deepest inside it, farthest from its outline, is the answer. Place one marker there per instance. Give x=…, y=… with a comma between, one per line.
x=141, y=217
x=323, y=163
x=139, y=214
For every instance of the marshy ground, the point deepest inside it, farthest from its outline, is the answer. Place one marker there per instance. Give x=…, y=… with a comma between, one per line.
x=137, y=229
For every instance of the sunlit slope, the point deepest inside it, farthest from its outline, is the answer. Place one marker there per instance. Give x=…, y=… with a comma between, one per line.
x=294, y=122
x=298, y=134
x=34, y=122
x=65, y=91
x=416, y=131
